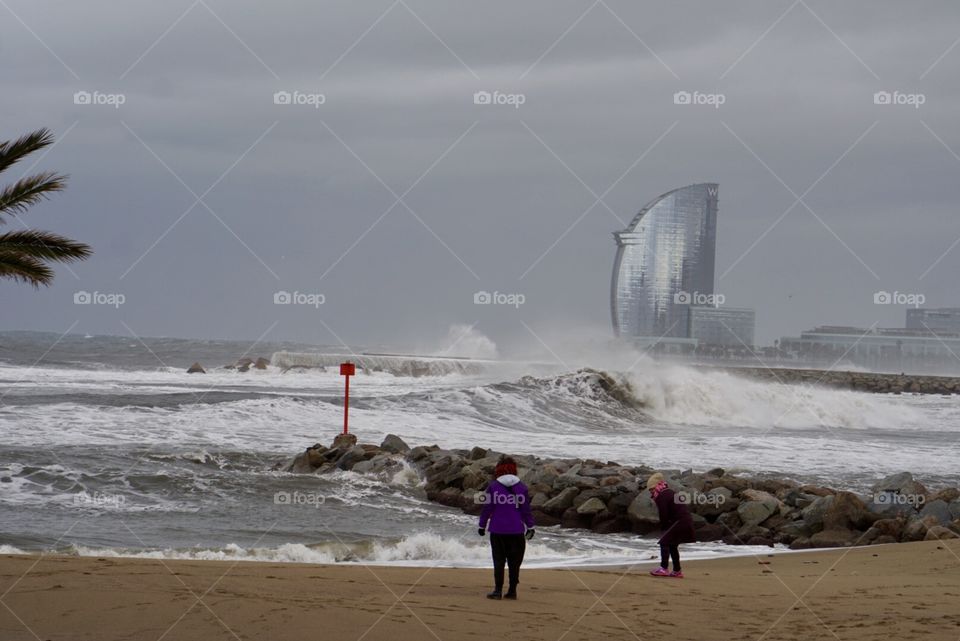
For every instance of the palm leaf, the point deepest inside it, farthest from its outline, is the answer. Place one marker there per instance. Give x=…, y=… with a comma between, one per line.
x=25, y=269
x=42, y=245
x=13, y=151
x=21, y=195
x=25, y=255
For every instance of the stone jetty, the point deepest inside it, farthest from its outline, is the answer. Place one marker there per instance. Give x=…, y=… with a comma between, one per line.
x=878, y=383
x=607, y=497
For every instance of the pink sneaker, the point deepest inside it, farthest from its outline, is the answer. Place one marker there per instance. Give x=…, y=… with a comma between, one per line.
x=659, y=572
x=676, y=574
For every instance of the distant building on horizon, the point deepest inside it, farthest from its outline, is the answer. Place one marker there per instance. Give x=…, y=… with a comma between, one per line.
x=943, y=319
x=722, y=326
x=882, y=349
x=664, y=264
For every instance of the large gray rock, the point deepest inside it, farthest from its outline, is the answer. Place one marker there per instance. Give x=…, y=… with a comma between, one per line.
x=891, y=504
x=643, y=511
x=835, y=538
x=813, y=514
x=714, y=502
x=847, y=512
x=559, y=504
x=757, y=507
x=591, y=506
x=796, y=529
x=351, y=457
x=902, y=483
x=917, y=529
x=885, y=529
x=307, y=461
x=196, y=368
x=395, y=444
x=345, y=441
x=940, y=510
x=748, y=531
x=601, y=493
x=730, y=521
x=940, y=533
x=619, y=503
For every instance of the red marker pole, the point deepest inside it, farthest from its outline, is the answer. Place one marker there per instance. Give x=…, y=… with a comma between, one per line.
x=346, y=370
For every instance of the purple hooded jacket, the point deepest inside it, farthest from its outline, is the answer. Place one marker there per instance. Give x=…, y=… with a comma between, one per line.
x=506, y=506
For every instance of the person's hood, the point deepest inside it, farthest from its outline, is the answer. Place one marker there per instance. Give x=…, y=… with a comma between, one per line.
x=508, y=480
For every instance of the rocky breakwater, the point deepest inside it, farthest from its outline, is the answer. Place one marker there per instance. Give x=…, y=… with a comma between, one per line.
x=877, y=383
x=607, y=497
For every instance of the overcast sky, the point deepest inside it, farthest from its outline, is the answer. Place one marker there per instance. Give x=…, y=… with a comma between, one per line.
x=398, y=197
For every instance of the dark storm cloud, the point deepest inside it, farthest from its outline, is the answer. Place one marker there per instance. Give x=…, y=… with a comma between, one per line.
x=500, y=198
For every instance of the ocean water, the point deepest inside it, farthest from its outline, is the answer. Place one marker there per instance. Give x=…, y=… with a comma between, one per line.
x=109, y=448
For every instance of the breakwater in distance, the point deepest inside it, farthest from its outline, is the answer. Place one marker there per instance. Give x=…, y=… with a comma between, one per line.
x=879, y=383
x=607, y=497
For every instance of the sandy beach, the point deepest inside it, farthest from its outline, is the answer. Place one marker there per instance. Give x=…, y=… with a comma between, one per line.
x=903, y=591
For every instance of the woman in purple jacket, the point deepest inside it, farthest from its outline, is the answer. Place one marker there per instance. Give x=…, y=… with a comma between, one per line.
x=506, y=508
x=675, y=523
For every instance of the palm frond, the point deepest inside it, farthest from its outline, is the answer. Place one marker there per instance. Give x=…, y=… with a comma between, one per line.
x=13, y=151
x=26, y=192
x=25, y=269
x=42, y=245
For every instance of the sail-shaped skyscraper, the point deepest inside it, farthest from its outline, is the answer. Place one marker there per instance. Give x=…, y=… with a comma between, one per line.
x=665, y=263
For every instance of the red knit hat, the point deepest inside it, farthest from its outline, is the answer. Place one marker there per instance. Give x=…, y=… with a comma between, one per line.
x=506, y=466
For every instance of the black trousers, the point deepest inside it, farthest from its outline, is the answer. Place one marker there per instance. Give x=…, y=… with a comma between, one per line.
x=667, y=552
x=507, y=550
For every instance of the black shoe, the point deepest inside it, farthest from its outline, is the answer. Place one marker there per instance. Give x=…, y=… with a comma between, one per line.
x=496, y=595
x=512, y=595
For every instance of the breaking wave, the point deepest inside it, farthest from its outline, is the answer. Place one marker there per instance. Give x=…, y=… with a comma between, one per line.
x=687, y=396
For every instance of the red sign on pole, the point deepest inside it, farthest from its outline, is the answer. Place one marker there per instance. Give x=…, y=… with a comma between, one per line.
x=346, y=370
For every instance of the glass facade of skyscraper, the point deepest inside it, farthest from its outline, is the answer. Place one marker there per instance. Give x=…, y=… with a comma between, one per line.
x=664, y=263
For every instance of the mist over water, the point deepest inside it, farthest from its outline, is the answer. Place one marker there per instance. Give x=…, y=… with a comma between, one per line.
x=127, y=454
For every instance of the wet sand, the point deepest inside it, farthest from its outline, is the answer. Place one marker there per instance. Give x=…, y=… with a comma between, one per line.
x=889, y=592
